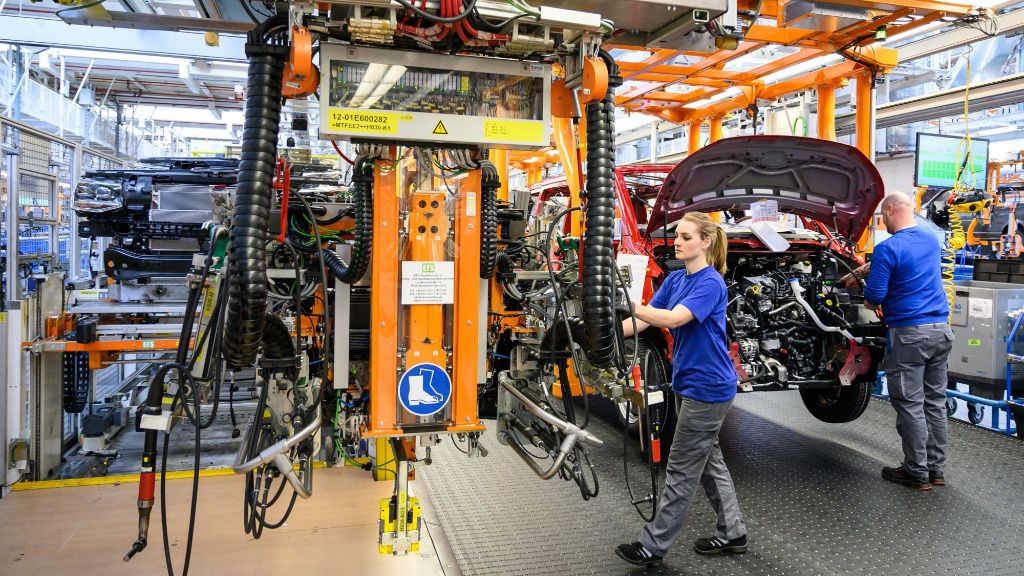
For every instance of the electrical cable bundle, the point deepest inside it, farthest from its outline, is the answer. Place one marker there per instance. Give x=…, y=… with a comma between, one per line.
x=598, y=250
x=267, y=51
x=362, y=194
x=259, y=482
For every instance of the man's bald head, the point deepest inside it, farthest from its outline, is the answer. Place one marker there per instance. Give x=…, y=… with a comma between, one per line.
x=897, y=199
x=897, y=212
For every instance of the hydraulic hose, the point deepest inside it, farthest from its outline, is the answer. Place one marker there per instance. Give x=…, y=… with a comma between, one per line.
x=598, y=251
x=957, y=240
x=247, y=274
x=489, y=184
x=362, y=195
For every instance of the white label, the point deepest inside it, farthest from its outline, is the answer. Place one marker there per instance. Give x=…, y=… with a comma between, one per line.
x=637, y=264
x=428, y=282
x=655, y=397
x=979, y=307
x=764, y=211
x=471, y=204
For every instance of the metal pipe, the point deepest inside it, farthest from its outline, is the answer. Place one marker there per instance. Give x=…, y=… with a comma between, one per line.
x=275, y=454
x=1001, y=404
x=61, y=98
x=17, y=89
x=572, y=432
x=78, y=93
x=782, y=308
x=798, y=291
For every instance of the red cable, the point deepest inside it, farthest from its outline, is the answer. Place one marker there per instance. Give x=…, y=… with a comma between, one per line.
x=284, y=183
x=340, y=153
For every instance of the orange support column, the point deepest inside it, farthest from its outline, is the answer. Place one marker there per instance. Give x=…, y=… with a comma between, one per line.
x=500, y=160
x=384, y=304
x=466, y=337
x=428, y=232
x=717, y=133
x=865, y=133
x=866, y=114
x=534, y=174
x=693, y=137
x=827, y=112
x=565, y=143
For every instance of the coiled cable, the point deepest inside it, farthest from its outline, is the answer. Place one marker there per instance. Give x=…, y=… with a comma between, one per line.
x=598, y=250
x=247, y=268
x=489, y=184
x=362, y=196
x=957, y=240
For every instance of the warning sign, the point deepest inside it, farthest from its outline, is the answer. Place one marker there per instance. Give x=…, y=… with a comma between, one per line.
x=362, y=121
x=440, y=129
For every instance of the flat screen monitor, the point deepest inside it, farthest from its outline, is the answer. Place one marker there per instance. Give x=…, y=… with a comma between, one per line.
x=940, y=158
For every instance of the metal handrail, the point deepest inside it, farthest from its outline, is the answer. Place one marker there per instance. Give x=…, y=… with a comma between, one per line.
x=573, y=433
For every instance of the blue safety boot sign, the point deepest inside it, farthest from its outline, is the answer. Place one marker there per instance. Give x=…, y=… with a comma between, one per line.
x=425, y=389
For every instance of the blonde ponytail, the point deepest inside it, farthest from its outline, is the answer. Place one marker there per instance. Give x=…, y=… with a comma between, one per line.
x=709, y=229
x=717, y=250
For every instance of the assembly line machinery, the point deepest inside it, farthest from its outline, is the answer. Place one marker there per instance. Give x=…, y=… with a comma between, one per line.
x=362, y=307
x=360, y=313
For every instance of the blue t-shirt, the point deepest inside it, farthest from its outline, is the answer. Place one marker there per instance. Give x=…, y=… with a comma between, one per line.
x=701, y=367
x=906, y=279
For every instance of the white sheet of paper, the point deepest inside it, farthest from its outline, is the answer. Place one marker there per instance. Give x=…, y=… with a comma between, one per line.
x=637, y=264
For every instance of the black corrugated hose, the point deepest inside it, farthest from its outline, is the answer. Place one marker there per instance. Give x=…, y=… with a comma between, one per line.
x=247, y=269
x=362, y=196
x=489, y=184
x=598, y=251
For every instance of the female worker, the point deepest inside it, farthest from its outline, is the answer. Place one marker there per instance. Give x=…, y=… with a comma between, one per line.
x=692, y=304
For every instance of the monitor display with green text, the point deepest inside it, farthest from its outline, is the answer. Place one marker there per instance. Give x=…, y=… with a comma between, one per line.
x=941, y=159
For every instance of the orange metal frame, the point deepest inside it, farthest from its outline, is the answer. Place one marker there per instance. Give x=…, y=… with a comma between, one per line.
x=467, y=343
x=708, y=77
x=428, y=230
x=384, y=306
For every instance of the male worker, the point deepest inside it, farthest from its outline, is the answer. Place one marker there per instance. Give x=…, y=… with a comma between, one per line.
x=905, y=281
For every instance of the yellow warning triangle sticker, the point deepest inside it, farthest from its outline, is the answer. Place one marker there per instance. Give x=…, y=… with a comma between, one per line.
x=440, y=129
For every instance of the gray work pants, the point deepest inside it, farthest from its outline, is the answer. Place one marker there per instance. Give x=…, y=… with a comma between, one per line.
x=915, y=370
x=695, y=458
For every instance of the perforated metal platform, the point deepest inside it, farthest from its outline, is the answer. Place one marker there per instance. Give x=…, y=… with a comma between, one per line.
x=812, y=495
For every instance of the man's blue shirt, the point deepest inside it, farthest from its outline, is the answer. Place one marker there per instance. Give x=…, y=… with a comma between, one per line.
x=701, y=367
x=906, y=279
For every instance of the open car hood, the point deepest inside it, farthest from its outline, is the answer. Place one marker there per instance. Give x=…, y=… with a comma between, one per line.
x=832, y=183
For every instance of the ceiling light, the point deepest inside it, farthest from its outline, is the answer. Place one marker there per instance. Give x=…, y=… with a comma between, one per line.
x=802, y=67
x=376, y=82
x=995, y=130
x=122, y=56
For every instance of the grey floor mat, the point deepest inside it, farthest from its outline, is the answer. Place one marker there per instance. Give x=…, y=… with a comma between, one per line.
x=811, y=493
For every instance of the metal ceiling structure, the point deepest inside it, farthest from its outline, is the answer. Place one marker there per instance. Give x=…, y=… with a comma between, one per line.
x=684, y=86
x=155, y=54
x=784, y=47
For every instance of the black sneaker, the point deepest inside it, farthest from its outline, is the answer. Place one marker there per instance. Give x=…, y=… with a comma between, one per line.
x=718, y=545
x=936, y=478
x=635, y=553
x=900, y=476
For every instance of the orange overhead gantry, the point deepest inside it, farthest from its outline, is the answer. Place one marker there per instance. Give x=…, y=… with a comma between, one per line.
x=712, y=89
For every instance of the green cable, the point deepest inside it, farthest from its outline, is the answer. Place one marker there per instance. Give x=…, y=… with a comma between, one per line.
x=798, y=119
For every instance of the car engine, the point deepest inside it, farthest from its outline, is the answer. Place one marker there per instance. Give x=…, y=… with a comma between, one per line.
x=790, y=318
